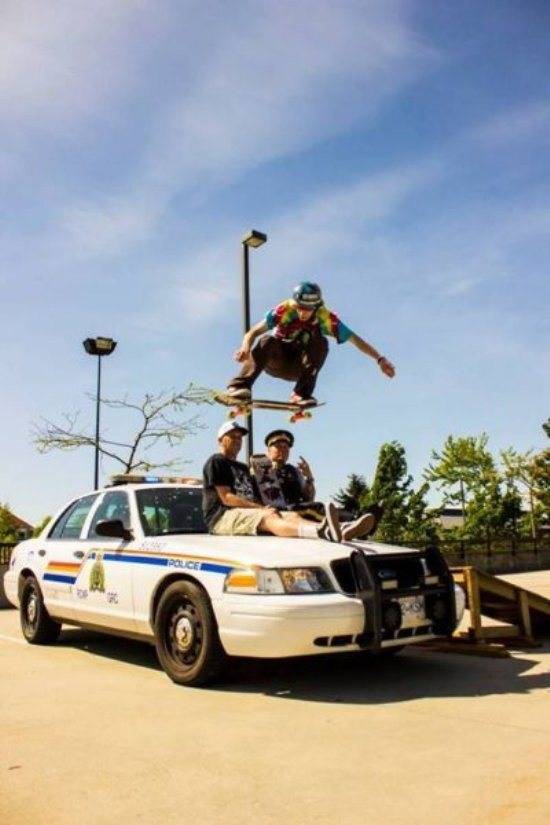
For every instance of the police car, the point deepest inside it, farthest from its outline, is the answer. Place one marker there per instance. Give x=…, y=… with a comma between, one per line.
x=134, y=559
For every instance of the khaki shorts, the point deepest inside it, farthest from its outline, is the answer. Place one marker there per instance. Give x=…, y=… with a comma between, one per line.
x=239, y=521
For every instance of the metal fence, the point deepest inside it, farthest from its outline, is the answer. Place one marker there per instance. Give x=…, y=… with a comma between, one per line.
x=5, y=551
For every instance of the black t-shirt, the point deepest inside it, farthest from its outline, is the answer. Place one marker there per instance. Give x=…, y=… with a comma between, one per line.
x=289, y=482
x=222, y=472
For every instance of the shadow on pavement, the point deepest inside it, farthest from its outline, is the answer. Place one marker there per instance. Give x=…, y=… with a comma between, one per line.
x=347, y=678
x=110, y=647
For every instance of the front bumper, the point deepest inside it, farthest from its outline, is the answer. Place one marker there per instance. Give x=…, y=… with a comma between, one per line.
x=279, y=626
x=373, y=617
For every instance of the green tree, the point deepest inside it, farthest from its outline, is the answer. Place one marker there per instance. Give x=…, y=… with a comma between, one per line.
x=546, y=427
x=8, y=532
x=352, y=496
x=519, y=469
x=392, y=486
x=484, y=514
x=540, y=469
x=422, y=521
x=40, y=526
x=458, y=467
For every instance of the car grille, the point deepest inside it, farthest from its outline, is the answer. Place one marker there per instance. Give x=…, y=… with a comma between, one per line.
x=406, y=572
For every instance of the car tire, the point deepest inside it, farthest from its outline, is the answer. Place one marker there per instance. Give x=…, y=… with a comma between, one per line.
x=36, y=623
x=186, y=635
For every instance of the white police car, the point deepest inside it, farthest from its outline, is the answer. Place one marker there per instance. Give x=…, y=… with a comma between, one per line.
x=134, y=559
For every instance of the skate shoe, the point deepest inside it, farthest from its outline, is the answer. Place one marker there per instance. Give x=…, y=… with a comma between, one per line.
x=238, y=393
x=329, y=528
x=303, y=402
x=360, y=528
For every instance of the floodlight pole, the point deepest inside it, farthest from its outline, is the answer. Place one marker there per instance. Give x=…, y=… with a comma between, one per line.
x=254, y=239
x=99, y=347
x=97, y=405
x=246, y=325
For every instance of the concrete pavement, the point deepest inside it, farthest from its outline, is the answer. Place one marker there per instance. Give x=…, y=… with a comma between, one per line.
x=92, y=731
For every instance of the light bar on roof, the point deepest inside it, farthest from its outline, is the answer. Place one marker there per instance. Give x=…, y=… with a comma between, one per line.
x=134, y=478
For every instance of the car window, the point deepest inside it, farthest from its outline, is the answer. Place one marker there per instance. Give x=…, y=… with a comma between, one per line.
x=165, y=510
x=69, y=524
x=113, y=506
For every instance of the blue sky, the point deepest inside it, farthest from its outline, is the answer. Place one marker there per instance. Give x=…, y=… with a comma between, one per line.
x=397, y=152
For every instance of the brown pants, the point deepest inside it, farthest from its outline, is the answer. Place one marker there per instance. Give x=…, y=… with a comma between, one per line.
x=290, y=361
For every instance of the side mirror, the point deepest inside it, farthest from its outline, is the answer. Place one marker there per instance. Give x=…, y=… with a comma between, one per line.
x=114, y=529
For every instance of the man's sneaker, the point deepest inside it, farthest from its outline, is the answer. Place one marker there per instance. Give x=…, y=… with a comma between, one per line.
x=303, y=402
x=238, y=393
x=329, y=528
x=359, y=528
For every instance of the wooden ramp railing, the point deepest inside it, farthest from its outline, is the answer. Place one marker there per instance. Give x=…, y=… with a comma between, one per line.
x=524, y=612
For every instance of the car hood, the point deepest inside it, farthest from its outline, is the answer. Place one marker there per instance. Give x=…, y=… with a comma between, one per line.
x=266, y=551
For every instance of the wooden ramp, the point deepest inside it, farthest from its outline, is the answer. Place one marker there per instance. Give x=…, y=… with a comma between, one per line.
x=524, y=612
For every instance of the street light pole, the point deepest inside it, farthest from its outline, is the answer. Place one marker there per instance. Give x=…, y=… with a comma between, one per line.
x=97, y=406
x=252, y=239
x=99, y=346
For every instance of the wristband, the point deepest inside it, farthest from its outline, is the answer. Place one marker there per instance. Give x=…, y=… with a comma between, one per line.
x=380, y=358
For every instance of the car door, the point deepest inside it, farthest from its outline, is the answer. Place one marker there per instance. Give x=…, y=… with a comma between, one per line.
x=103, y=591
x=62, y=557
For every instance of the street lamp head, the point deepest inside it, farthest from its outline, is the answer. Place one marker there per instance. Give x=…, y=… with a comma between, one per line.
x=254, y=238
x=99, y=346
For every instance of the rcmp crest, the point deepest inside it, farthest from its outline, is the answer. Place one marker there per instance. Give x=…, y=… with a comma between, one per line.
x=97, y=575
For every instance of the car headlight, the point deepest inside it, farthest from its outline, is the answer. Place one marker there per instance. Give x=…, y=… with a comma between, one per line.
x=289, y=580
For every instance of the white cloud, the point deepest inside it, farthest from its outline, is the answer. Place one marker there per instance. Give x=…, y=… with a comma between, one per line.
x=61, y=61
x=203, y=286
x=249, y=88
x=108, y=225
x=288, y=75
x=519, y=123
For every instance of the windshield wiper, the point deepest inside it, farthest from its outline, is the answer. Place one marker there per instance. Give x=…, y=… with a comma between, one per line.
x=180, y=531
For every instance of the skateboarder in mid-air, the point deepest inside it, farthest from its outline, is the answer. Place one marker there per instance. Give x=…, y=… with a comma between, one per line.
x=293, y=345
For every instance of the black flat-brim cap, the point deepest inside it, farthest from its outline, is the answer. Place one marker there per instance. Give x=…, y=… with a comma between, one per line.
x=279, y=435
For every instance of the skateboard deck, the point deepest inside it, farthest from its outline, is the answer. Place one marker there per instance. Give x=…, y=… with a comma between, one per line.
x=298, y=412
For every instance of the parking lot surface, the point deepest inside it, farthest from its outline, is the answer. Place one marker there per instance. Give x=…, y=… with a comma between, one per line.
x=92, y=731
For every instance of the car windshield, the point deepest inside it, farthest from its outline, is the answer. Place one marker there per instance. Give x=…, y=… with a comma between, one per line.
x=168, y=510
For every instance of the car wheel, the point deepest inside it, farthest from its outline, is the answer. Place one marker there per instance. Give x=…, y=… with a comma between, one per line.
x=36, y=623
x=186, y=635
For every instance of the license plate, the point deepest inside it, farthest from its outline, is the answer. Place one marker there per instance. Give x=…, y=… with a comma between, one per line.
x=412, y=608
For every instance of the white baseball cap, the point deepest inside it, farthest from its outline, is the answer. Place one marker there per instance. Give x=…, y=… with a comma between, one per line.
x=230, y=426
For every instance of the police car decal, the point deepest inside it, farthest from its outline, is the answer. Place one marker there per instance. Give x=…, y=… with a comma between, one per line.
x=62, y=572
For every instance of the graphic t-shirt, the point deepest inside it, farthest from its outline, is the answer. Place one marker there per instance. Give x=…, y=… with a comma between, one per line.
x=286, y=324
x=223, y=472
x=291, y=483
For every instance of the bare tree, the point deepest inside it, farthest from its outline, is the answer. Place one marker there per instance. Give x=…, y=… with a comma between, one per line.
x=159, y=422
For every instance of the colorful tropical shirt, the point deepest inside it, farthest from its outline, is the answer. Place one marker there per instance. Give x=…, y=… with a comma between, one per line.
x=286, y=324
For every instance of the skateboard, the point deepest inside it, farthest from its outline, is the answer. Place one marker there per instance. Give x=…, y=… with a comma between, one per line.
x=298, y=412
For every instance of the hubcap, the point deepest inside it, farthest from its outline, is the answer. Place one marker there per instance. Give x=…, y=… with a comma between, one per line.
x=31, y=609
x=184, y=633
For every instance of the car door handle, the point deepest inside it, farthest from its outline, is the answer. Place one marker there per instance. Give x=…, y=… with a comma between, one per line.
x=78, y=554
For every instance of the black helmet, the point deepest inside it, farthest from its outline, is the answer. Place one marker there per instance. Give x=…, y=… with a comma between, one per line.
x=308, y=295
